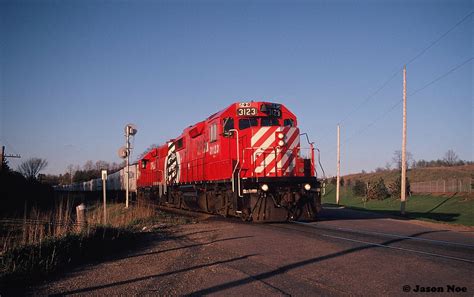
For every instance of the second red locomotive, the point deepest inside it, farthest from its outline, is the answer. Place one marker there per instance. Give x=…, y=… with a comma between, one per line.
x=245, y=160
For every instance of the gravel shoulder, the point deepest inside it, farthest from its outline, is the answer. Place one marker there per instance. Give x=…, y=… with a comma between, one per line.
x=227, y=258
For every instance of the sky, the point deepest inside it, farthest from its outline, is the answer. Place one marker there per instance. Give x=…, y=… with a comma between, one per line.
x=74, y=73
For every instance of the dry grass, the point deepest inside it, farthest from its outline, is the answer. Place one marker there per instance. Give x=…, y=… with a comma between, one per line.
x=38, y=226
x=42, y=243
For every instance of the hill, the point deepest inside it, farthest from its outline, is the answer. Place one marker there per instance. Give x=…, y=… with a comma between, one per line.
x=417, y=174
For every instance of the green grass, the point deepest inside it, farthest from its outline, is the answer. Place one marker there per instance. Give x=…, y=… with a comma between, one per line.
x=446, y=209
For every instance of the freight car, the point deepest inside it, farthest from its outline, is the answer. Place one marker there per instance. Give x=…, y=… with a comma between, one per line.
x=115, y=182
x=245, y=160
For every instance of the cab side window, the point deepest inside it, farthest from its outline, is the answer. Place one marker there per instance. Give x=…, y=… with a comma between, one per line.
x=228, y=125
x=213, y=132
x=288, y=122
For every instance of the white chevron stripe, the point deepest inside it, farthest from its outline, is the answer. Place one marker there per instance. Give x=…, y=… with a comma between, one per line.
x=259, y=134
x=268, y=159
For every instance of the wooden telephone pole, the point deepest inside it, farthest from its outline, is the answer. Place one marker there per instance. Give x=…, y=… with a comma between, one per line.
x=338, y=179
x=3, y=157
x=404, y=144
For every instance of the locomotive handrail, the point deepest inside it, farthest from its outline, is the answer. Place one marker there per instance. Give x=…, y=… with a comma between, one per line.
x=236, y=164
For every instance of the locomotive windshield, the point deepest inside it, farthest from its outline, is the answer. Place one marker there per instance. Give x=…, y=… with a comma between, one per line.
x=265, y=122
x=246, y=123
x=253, y=122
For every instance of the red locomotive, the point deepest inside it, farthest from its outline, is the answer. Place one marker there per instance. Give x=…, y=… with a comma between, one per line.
x=245, y=160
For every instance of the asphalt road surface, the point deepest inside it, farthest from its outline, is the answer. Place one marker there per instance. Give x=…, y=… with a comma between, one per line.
x=346, y=253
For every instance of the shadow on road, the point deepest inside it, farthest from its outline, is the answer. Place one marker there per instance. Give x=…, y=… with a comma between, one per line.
x=185, y=247
x=332, y=212
x=286, y=268
x=128, y=281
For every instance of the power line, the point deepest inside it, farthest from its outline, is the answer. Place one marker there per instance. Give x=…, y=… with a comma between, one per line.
x=435, y=80
x=439, y=38
x=442, y=76
x=423, y=51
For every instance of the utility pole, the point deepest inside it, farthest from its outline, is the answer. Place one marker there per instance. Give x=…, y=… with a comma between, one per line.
x=4, y=156
x=127, y=163
x=338, y=179
x=404, y=144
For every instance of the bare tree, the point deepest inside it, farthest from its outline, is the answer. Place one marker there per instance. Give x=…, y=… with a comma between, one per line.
x=32, y=167
x=451, y=158
x=89, y=166
x=99, y=165
x=397, y=158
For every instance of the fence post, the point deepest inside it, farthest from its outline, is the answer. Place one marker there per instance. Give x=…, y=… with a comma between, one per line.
x=444, y=186
x=81, y=217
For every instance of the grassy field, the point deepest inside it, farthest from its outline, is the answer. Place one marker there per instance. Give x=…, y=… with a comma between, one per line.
x=452, y=209
x=418, y=174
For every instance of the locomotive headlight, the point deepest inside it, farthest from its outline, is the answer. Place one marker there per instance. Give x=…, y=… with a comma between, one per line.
x=264, y=187
x=280, y=135
x=307, y=187
x=281, y=143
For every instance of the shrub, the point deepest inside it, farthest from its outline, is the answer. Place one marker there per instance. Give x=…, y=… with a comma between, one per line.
x=349, y=183
x=377, y=190
x=359, y=188
x=395, y=187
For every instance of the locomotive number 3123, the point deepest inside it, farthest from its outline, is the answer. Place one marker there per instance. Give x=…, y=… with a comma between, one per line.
x=249, y=111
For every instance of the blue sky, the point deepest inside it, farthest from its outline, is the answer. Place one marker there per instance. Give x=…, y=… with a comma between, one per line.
x=73, y=73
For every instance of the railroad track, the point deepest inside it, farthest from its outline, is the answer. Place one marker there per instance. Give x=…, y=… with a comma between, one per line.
x=449, y=250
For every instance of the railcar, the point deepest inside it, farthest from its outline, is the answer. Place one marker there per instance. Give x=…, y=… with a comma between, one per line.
x=245, y=160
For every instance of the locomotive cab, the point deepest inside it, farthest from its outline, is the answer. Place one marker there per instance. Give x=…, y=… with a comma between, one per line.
x=274, y=177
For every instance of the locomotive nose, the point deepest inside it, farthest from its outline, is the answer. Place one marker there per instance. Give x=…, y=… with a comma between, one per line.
x=281, y=138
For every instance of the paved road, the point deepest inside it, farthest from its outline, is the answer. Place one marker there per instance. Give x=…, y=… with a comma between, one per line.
x=347, y=253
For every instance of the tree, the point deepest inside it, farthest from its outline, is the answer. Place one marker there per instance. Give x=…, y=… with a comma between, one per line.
x=32, y=167
x=89, y=166
x=377, y=190
x=359, y=188
x=395, y=187
x=397, y=158
x=4, y=165
x=451, y=158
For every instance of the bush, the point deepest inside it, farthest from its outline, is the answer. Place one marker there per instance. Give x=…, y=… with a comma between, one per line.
x=349, y=183
x=377, y=190
x=359, y=188
x=396, y=187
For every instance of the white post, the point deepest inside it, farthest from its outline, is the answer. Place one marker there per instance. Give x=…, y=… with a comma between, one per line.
x=404, y=143
x=338, y=179
x=104, y=192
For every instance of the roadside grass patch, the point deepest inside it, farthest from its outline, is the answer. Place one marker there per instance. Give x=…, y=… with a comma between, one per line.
x=36, y=248
x=452, y=209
